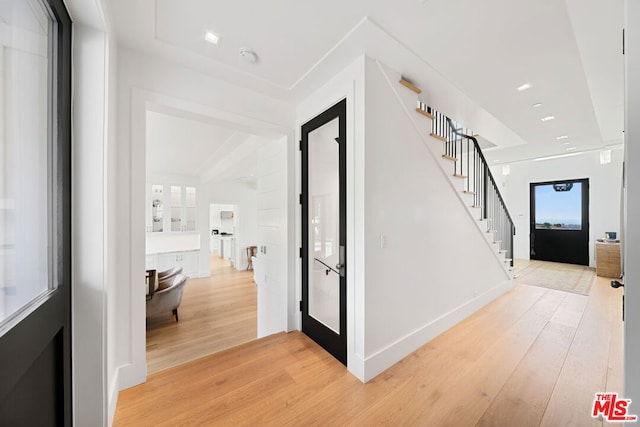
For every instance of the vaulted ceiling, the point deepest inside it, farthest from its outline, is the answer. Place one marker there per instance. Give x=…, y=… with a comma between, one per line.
x=569, y=51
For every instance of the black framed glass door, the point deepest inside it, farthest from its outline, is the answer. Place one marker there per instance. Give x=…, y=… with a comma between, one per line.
x=560, y=221
x=35, y=214
x=324, y=286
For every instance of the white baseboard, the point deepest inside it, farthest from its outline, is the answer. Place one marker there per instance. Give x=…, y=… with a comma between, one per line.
x=205, y=272
x=130, y=375
x=114, y=389
x=355, y=365
x=392, y=354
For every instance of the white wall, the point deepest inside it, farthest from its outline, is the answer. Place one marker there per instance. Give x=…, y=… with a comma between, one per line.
x=272, y=232
x=427, y=263
x=632, y=224
x=605, y=182
x=112, y=235
x=93, y=368
x=144, y=81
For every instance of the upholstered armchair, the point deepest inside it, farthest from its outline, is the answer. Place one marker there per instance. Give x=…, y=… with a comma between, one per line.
x=167, y=299
x=166, y=277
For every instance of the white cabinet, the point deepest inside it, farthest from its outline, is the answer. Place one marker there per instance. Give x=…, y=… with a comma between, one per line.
x=214, y=244
x=171, y=208
x=183, y=208
x=188, y=260
x=228, y=248
x=155, y=209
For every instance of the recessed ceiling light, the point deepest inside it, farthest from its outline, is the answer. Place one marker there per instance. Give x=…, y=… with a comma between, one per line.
x=566, y=143
x=211, y=37
x=496, y=161
x=537, y=104
x=524, y=87
x=561, y=137
x=547, y=118
x=571, y=148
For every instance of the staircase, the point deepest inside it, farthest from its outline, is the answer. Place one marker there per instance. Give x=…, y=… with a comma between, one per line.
x=464, y=163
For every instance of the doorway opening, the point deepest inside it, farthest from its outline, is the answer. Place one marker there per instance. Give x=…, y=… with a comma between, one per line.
x=205, y=196
x=560, y=221
x=224, y=228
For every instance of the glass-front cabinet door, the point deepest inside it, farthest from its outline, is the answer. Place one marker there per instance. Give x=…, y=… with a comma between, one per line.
x=180, y=214
x=157, y=208
x=176, y=208
x=190, y=209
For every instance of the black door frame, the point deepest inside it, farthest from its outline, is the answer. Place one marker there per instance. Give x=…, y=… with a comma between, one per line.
x=35, y=353
x=573, y=247
x=336, y=344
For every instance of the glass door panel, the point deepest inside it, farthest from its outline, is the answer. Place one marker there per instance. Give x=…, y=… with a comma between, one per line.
x=559, y=206
x=157, y=208
x=324, y=232
x=190, y=208
x=176, y=208
x=26, y=205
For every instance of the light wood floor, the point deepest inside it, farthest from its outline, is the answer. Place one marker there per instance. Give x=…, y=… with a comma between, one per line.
x=533, y=357
x=216, y=313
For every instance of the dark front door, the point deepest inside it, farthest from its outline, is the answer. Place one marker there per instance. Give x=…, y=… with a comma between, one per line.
x=324, y=283
x=560, y=221
x=35, y=214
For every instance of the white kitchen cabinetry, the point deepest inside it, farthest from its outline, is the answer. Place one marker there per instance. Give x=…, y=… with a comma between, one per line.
x=188, y=260
x=155, y=209
x=171, y=208
x=228, y=248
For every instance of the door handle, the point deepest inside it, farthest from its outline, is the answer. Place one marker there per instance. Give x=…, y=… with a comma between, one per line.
x=340, y=266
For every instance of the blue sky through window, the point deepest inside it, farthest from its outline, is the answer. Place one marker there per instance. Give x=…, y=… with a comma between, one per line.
x=560, y=210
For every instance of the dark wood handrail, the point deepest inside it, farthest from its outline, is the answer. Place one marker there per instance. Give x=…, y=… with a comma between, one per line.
x=479, y=151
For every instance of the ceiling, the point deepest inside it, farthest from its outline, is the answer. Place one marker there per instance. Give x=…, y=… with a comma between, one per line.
x=568, y=50
x=181, y=146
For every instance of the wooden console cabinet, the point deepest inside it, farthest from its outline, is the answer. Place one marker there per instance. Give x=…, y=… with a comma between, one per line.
x=608, y=260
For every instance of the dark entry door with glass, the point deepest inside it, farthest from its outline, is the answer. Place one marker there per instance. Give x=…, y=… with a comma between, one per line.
x=560, y=221
x=35, y=214
x=324, y=287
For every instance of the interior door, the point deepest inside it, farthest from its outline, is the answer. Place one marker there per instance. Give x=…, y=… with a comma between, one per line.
x=560, y=221
x=35, y=220
x=324, y=286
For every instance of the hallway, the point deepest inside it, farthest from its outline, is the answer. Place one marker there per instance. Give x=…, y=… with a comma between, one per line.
x=534, y=356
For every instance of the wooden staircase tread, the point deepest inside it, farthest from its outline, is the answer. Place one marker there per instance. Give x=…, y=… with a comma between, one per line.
x=410, y=86
x=424, y=113
x=436, y=136
x=457, y=175
x=475, y=206
x=445, y=156
x=468, y=192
